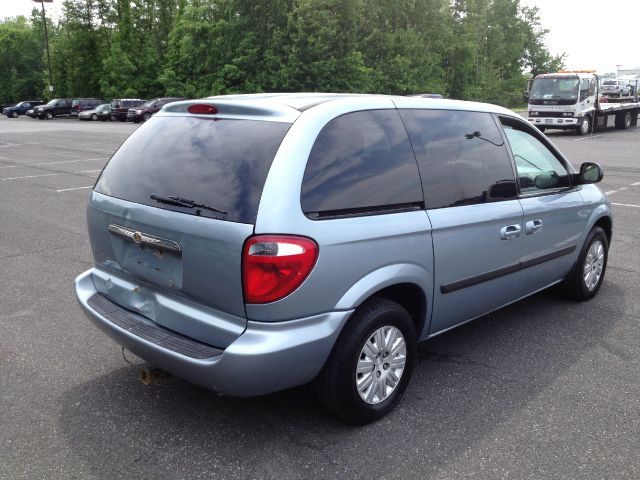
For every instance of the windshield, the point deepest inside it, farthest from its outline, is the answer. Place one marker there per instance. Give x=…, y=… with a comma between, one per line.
x=53, y=102
x=22, y=104
x=560, y=88
x=610, y=82
x=104, y=105
x=148, y=103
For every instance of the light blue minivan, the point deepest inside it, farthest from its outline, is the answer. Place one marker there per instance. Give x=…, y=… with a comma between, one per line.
x=253, y=243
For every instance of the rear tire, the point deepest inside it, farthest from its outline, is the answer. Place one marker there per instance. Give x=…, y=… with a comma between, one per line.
x=623, y=121
x=380, y=334
x=588, y=273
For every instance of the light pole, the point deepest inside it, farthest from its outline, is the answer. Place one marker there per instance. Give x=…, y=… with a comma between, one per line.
x=46, y=41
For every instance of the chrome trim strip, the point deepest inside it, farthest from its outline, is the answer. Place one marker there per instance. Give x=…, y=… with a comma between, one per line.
x=145, y=239
x=500, y=272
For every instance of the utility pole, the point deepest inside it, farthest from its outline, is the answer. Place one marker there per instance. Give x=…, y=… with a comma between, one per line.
x=46, y=41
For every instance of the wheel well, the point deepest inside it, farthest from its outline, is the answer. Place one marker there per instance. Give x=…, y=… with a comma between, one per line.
x=411, y=297
x=606, y=225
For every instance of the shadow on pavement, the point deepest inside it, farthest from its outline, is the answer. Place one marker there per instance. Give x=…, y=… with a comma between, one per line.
x=467, y=383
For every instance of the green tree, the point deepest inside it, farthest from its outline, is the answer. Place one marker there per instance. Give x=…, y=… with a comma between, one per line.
x=21, y=54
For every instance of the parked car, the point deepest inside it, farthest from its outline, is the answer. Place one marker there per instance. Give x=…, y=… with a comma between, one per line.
x=319, y=237
x=81, y=104
x=56, y=107
x=616, y=88
x=120, y=107
x=148, y=108
x=101, y=112
x=21, y=108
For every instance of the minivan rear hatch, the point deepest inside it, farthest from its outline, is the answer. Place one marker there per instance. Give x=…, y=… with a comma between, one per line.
x=169, y=216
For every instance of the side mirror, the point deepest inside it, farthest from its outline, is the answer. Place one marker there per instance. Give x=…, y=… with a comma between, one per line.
x=525, y=95
x=590, y=173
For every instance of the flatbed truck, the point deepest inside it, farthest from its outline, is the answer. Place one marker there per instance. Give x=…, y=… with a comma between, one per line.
x=572, y=99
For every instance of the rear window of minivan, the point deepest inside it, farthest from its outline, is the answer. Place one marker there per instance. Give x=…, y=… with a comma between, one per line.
x=222, y=163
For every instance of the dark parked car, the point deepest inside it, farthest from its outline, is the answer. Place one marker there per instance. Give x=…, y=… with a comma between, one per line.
x=57, y=106
x=120, y=107
x=20, y=108
x=144, y=111
x=82, y=104
x=101, y=112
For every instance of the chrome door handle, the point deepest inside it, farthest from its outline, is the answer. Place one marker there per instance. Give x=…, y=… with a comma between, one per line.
x=510, y=232
x=532, y=226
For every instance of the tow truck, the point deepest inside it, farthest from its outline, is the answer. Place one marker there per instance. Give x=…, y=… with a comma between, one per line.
x=572, y=99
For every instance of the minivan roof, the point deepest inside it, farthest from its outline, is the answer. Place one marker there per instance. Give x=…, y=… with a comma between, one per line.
x=303, y=101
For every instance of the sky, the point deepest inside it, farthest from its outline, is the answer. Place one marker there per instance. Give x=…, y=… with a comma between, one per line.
x=594, y=34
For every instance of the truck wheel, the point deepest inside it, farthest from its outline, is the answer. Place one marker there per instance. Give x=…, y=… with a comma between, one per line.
x=585, y=126
x=623, y=121
x=371, y=363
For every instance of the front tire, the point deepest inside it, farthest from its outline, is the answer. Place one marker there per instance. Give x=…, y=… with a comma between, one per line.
x=371, y=363
x=146, y=117
x=94, y=117
x=49, y=115
x=588, y=273
x=585, y=126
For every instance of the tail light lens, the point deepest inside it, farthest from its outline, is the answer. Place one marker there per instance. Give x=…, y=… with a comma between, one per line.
x=202, y=109
x=273, y=266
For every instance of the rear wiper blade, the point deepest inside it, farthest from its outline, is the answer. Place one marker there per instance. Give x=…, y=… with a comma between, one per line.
x=184, y=202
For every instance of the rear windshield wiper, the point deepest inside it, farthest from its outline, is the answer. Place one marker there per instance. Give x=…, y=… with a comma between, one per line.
x=183, y=202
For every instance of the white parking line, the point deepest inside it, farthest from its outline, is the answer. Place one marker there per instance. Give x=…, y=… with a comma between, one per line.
x=53, y=175
x=32, y=176
x=625, y=205
x=611, y=192
x=55, y=163
x=74, y=188
x=589, y=137
x=599, y=135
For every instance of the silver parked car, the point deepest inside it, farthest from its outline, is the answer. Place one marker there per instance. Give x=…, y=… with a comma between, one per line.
x=320, y=237
x=617, y=88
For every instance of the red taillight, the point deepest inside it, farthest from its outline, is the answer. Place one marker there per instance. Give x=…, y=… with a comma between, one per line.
x=202, y=109
x=273, y=266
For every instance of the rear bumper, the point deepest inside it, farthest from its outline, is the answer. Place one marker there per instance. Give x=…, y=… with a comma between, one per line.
x=267, y=357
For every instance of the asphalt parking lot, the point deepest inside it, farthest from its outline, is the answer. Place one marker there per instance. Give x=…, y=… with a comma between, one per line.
x=543, y=389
